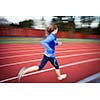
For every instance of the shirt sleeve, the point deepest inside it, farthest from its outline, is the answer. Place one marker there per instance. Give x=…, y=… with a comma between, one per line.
x=56, y=43
x=46, y=42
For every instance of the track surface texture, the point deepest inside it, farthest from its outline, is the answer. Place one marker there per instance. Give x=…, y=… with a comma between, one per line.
x=80, y=61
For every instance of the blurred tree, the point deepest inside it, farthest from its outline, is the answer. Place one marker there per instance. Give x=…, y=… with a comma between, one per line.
x=65, y=23
x=14, y=25
x=3, y=21
x=86, y=22
x=97, y=30
x=58, y=20
x=71, y=26
x=26, y=23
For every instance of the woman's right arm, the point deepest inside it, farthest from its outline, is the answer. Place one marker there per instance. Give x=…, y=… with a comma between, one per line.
x=46, y=42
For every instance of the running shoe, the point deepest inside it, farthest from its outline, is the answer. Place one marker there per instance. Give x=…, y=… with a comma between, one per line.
x=63, y=76
x=21, y=73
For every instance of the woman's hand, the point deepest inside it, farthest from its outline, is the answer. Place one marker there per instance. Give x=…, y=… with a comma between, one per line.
x=59, y=43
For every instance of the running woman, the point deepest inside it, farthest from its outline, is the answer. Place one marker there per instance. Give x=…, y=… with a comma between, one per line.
x=49, y=44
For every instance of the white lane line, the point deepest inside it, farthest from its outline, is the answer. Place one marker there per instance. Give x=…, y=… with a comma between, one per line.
x=33, y=54
x=15, y=49
x=37, y=47
x=22, y=48
x=90, y=78
x=72, y=55
x=31, y=49
x=8, y=52
x=66, y=65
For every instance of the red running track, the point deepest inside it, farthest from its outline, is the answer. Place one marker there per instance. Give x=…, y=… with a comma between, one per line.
x=77, y=60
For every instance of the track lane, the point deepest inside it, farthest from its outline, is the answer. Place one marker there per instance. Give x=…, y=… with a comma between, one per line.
x=75, y=71
x=10, y=71
x=7, y=47
x=25, y=57
x=8, y=62
x=3, y=56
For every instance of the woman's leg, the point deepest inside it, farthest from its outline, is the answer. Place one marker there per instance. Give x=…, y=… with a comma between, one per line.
x=43, y=62
x=30, y=69
x=55, y=64
x=57, y=69
x=58, y=72
x=33, y=68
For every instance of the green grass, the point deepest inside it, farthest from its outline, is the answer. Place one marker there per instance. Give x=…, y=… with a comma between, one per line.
x=5, y=40
x=80, y=40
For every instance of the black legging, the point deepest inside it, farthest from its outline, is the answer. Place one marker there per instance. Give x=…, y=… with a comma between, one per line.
x=46, y=59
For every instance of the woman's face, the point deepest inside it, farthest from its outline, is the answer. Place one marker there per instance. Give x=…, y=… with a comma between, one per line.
x=56, y=31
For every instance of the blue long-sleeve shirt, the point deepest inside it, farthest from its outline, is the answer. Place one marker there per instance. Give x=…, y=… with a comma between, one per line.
x=49, y=44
